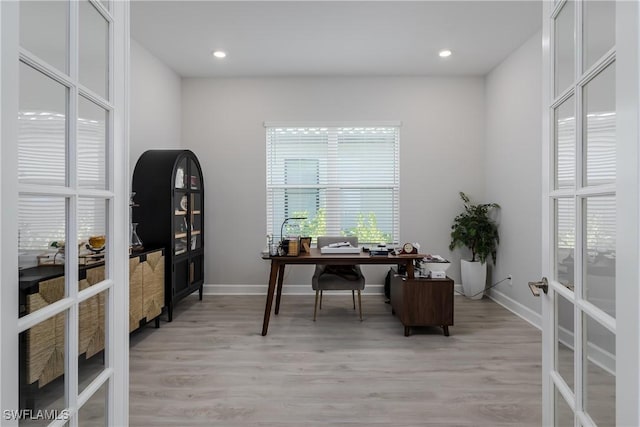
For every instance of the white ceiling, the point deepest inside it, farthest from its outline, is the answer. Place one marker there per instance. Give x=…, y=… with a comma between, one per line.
x=333, y=38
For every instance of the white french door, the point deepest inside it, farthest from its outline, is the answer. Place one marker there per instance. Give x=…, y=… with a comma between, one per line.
x=590, y=214
x=64, y=166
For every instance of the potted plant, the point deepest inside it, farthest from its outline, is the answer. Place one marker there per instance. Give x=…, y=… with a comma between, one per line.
x=474, y=229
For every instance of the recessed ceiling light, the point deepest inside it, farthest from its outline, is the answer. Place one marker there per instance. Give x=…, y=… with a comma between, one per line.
x=444, y=53
x=219, y=54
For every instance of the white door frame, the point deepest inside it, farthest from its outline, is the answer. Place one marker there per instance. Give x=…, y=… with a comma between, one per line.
x=627, y=189
x=628, y=214
x=116, y=370
x=118, y=354
x=8, y=208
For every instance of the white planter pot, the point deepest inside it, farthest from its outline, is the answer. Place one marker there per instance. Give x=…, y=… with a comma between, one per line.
x=474, y=278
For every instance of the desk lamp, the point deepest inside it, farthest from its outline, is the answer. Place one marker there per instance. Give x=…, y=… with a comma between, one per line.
x=285, y=221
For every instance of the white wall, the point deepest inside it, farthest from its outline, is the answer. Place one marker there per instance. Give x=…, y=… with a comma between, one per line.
x=441, y=153
x=513, y=155
x=156, y=109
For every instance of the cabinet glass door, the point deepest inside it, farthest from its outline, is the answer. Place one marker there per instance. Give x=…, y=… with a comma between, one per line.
x=194, y=178
x=181, y=174
x=180, y=224
x=196, y=221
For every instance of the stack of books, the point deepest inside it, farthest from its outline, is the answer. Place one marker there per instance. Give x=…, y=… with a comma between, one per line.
x=379, y=251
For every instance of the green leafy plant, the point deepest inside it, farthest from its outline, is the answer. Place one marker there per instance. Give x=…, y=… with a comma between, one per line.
x=312, y=227
x=366, y=227
x=367, y=230
x=474, y=229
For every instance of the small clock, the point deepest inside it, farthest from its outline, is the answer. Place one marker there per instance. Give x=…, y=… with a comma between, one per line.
x=408, y=248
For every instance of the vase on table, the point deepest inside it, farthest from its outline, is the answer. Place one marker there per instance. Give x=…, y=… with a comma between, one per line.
x=136, y=243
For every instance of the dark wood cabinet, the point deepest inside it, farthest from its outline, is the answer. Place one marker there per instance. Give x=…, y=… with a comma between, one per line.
x=422, y=302
x=169, y=211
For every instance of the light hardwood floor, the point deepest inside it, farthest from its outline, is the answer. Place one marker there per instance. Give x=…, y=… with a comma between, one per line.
x=211, y=367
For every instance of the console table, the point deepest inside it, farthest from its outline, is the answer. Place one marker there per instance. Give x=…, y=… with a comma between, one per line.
x=278, y=264
x=42, y=346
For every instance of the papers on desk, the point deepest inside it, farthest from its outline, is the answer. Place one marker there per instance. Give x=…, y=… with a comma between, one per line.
x=435, y=266
x=340, y=248
x=435, y=263
x=434, y=258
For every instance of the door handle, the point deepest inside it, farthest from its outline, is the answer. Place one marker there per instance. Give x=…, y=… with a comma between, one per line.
x=536, y=286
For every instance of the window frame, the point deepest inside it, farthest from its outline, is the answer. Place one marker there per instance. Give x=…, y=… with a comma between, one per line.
x=326, y=180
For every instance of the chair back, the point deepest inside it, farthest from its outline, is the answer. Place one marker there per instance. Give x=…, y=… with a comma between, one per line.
x=338, y=277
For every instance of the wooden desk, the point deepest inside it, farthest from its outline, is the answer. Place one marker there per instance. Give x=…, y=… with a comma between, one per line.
x=278, y=264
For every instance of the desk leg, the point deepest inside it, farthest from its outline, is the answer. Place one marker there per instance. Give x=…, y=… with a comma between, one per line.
x=279, y=292
x=409, y=265
x=272, y=287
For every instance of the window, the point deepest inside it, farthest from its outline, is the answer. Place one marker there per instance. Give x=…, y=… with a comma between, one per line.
x=343, y=180
x=301, y=172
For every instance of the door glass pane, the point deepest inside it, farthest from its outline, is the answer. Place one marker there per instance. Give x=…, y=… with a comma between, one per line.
x=105, y=3
x=41, y=251
x=599, y=123
x=563, y=412
x=93, y=49
x=42, y=129
x=565, y=340
x=92, y=228
x=600, y=252
x=91, y=328
x=565, y=240
x=92, y=145
x=564, y=48
x=599, y=373
x=599, y=29
x=43, y=31
x=42, y=368
x=92, y=413
x=565, y=144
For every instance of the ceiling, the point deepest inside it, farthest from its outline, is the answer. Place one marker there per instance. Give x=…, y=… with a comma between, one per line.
x=333, y=38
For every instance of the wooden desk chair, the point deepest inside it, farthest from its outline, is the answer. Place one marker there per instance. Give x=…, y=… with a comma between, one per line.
x=337, y=277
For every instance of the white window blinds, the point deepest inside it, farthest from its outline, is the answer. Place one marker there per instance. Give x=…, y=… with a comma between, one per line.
x=344, y=180
x=41, y=141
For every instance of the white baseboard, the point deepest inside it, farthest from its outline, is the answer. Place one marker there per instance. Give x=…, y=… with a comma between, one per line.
x=243, y=289
x=597, y=355
x=520, y=310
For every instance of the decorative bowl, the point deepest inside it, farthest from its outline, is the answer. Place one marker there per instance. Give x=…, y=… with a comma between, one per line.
x=97, y=242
